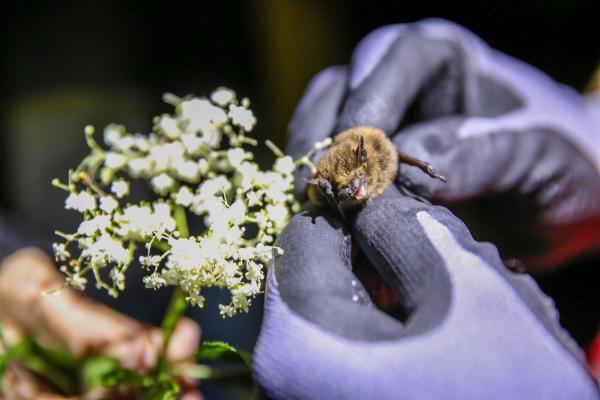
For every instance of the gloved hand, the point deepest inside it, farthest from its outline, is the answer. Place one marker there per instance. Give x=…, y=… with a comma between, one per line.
x=521, y=152
x=472, y=329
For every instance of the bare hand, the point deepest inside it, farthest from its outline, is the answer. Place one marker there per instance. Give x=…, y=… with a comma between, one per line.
x=77, y=324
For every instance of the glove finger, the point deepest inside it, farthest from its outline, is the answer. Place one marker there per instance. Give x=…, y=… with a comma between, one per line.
x=316, y=116
x=492, y=162
x=408, y=73
x=521, y=189
x=314, y=279
x=389, y=69
x=420, y=248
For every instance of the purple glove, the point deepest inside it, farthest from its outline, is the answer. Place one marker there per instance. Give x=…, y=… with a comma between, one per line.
x=521, y=152
x=469, y=328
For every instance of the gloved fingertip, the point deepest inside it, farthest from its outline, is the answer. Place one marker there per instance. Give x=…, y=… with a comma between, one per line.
x=317, y=86
x=371, y=50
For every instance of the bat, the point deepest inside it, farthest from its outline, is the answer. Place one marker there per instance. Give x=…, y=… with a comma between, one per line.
x=360, y=165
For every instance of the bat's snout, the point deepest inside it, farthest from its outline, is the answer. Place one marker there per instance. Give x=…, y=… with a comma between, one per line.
x=359, y=189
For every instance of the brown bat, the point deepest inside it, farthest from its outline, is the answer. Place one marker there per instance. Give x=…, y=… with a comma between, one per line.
x=360, y=164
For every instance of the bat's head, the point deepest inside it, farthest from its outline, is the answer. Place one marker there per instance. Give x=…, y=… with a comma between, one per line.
x=352, y=184
x=343, y=177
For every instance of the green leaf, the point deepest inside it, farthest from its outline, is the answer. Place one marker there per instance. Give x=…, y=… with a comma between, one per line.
x=57, y=357
x=119, y=376
x=3, y=364
x=95, y=371
x=3, y=356
x=32, y=356
x=217, y=350
x=167, y=390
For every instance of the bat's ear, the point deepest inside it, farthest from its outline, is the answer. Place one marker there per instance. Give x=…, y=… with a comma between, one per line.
x=361, y=152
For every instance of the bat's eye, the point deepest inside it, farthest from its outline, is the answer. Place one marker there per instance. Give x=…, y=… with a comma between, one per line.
x=361, y=173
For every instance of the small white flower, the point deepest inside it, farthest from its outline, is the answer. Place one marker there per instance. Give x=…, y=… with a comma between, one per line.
x=106, y=250
x=202, y=166
x=210, y=248
x=139, y=167
x=278, y=214
x=162, y=219
x=120, y=188
x=135, y=221
x=202, y=109
x=112, y=134
x=222, y=96
x=81, y=202
x=210, y=187
x=114, y=160
x=234, y=235
x=108, y=204
x=162, y=156
x=236, y=213
x=195, y=299
x=154, y=281
x=125, y=143
x=141, y=142
x=253, y=198
x=242, y=116
x=236, y=156
x=162, y=183
x=186, y=253
x=323, y=144
x=88, y=227
x=187, y=169
x=184, y=196
x=285, y=165
x=192, y=143
x=143, y=221
x=169, y=127
x=60, y=251
x=150, y=261
x=118, y=278
x=254, y=270
x=76, y=281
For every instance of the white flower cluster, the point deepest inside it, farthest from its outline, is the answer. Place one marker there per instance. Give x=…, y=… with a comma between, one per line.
x=194, y=176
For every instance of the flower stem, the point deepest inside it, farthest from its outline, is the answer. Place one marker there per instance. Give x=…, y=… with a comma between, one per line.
x=181, y=221
x=273, y=147
x=177, y=304
x=174, y=312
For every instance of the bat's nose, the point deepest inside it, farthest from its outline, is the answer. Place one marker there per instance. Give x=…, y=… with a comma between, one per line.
x=359, y=189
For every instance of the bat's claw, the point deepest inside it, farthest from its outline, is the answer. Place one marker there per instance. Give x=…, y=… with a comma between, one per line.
x=433, y=173
x=325, y=186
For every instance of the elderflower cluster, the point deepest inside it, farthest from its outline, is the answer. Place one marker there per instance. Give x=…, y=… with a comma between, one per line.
x=197, y=164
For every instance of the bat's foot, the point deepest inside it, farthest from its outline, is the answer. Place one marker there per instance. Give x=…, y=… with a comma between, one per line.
x=325, y=187
x=422, y=165
x=433, y=173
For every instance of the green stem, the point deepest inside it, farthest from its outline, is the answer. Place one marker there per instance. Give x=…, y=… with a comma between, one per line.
x=273, y=147
x=195, y=371
x=176, y=309
x=181, y=221
x=177, y=304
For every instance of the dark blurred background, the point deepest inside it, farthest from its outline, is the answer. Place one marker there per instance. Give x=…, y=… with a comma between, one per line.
x=66, y=65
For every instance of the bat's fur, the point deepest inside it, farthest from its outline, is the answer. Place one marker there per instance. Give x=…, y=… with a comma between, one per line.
x=340, y=164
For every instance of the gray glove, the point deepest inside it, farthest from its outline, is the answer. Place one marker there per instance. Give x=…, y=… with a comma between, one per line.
x=469, y=329
x=521, y=152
